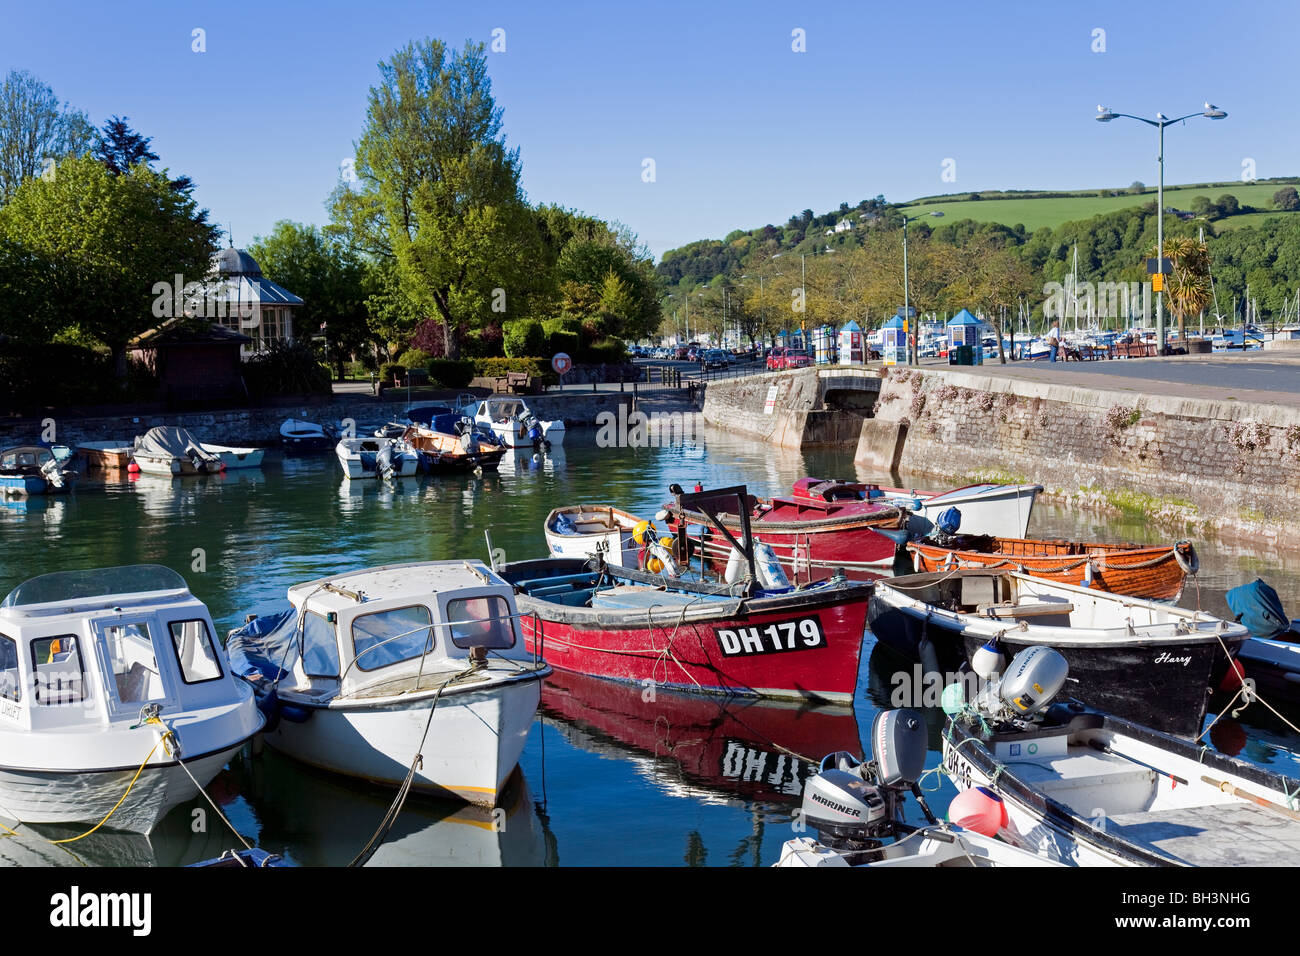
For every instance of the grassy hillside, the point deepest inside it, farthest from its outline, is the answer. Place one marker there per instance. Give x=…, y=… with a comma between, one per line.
x=1035, y=213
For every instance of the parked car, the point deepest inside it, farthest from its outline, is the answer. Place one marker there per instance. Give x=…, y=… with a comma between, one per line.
x=680, y=353
x=715, y=358
x=796, y=358
x=775, y=359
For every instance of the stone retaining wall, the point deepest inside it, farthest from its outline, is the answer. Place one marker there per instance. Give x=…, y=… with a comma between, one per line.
x=799, y=417
x=1192, y=464
x=261, y=426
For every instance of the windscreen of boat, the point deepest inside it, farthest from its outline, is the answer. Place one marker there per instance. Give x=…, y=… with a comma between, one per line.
x=194, y=653
x=481, y=622
x=98, y=582
x=390, y=637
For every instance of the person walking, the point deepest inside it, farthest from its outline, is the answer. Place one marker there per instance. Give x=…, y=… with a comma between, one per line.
x=1054, y=341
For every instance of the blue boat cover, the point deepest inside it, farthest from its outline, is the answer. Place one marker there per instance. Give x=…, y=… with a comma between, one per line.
x=265, y=645
x=1259, y=608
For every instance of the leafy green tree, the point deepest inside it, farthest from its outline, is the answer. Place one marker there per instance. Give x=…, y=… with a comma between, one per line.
x=330, y=279
x=1287, y=199
x=34, y=128
x=108, y=241
x=1228, y=205
x=439, y=191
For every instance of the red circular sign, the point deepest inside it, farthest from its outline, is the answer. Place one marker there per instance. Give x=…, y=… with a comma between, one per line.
x=561, y=363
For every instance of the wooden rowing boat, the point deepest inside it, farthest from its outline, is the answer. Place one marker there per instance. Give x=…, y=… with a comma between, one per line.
x=1153, y=573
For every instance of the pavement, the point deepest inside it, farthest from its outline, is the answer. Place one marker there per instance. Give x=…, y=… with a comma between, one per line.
x=1265, y=378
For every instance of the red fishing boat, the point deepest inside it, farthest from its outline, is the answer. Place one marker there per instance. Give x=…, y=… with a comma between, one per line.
x=826, y=525
x=584, y=615
x=822, y=527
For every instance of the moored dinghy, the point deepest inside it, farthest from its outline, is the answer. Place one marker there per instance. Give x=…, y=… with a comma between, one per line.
x=167, y=450
x=857, y=811
x=371, y=668
x=1155, y=573
x=1142, y=660
x=1090, y=789
x=374, y=457
x=583, y=531
x=96, y=669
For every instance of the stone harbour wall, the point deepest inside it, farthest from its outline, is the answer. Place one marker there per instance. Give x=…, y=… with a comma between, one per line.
x=1192, y=465
x=800, y=416
x=261, y=426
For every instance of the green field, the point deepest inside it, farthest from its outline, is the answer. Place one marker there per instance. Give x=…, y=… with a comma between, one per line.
x=1037, y=213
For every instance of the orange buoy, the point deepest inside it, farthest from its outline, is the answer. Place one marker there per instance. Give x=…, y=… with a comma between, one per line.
x=979, y=810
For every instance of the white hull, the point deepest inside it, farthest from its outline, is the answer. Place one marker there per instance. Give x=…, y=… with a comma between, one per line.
x=473, y=744
x=405, y=463
x=946, y=846
x=515, y=435
x=237, y=457
x=999, y=510
x=169, y=467
x=35, y=796
x=615, y=543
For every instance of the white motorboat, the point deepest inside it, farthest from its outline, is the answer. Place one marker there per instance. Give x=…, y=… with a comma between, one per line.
x=236, y=457
x=373, y=668
x=297, y=435
x=1090, y=789
x=103, y=673
x=374, y=457
x=587, y=530
x=1000, y=510
x=857, y=811
x=36, y=470
x=168, y=450
x=511, y=420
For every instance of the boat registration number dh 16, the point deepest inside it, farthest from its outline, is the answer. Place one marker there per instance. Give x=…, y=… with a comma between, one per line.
x=798, y=635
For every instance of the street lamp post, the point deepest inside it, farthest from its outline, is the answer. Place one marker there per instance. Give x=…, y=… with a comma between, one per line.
x=912, y=358
x=1105, y=115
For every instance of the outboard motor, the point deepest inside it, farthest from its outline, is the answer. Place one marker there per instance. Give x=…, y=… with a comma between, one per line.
x=535, y=432
x=854, y=807
x=384, y=463
x=1031, y=682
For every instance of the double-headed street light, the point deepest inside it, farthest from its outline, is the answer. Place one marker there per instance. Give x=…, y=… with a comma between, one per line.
x=913, y=358
x=1105, y=115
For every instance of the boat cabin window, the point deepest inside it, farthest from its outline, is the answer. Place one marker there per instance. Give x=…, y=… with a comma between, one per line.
x=481, y=622
x=194, y=651
x=320, y=650
x=59, y=675
x=390, y=637
x=11, y=687
x=133, y=662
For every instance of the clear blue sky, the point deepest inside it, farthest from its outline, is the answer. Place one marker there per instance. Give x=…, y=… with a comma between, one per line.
x=742, y=129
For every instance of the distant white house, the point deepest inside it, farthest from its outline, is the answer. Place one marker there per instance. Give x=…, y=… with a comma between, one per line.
x=844, y=225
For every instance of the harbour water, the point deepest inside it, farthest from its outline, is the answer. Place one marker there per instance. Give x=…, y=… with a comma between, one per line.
x=611, y=774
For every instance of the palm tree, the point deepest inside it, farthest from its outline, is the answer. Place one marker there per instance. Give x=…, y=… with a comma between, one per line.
x=1189, y=290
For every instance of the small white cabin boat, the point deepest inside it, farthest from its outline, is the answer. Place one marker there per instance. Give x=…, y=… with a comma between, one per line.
x=999, y=510
x=236, y=457
x=374, y=457
x=96, y=667
x=378, y=666
x=513, y=422
x=586, y=530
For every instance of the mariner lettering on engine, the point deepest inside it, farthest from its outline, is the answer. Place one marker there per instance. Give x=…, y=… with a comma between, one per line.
x=837, y=807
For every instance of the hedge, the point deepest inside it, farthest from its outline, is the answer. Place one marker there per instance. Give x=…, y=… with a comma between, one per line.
x=523, y=338
x=539, y=369
x=451, y=373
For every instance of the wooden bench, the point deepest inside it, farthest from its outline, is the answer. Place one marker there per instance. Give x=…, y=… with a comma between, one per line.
x=517, y=383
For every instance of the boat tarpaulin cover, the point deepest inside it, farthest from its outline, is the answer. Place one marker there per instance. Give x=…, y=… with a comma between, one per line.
x=265, y=644
x=1259, y=608
x=168, y=441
